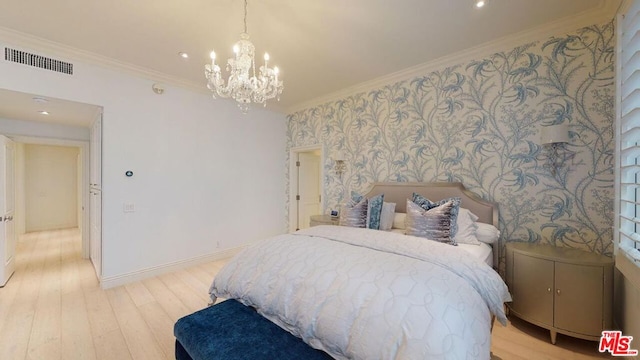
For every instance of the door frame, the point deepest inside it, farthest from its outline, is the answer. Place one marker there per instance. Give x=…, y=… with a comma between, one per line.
x=84, y=186
x=293, y=181
x=8, y=225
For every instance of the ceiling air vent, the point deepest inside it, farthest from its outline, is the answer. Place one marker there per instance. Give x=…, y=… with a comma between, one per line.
x=42, y=62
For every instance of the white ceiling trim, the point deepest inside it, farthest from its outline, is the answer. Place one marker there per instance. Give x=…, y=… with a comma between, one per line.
x=26, y=42
x=30, y=43
x=604, y=12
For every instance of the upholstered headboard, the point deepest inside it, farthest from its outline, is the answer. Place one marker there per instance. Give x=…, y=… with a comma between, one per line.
x=399, y=192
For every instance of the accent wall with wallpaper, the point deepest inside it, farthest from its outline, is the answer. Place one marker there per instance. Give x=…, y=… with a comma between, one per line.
x=479, y=123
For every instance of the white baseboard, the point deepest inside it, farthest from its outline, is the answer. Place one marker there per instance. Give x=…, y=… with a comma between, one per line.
x=117, y=280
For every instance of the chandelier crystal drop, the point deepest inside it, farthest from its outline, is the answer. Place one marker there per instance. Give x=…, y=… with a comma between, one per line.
x=243, y=85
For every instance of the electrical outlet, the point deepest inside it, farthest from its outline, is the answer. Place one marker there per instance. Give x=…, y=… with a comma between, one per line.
x=129, y=207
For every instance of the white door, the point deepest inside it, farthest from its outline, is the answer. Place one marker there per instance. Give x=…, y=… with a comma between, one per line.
x=7, y=209
x=308, y=187
x=95, y=195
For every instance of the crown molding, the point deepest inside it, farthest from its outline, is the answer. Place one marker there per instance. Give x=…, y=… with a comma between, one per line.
x=27, y=42
x=605, y=10
x=30, y=43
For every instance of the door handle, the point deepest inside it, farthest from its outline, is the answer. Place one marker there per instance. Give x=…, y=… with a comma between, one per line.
x=8, y=218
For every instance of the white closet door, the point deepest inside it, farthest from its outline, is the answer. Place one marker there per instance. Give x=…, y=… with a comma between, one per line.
x=7, y=209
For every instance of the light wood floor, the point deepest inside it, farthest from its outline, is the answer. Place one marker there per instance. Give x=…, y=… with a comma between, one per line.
x=53, y=308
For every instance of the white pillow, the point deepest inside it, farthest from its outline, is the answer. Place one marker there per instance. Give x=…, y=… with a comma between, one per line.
x=473, y=216
x=466, y=228
x=487, y=233
x=387, y=215
x=398, y=221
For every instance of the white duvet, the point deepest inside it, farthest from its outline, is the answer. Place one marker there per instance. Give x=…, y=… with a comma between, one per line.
x=368, y=294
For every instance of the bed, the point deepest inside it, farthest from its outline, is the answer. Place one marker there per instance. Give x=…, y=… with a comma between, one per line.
x=356, y=293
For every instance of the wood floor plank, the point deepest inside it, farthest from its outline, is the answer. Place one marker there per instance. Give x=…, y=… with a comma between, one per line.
x=44, y=342
x=88, y=278
x=76, y=340
x=211, y=269
x=198, y=287
x=139, y=293
x=14, y=336
x=184, y=293
x=520, y=337
x=69, y=276
x=169, y=302
x=137, y=334
x=111, y=345
x=201, y=275
x=102, y=319
x=161, y=326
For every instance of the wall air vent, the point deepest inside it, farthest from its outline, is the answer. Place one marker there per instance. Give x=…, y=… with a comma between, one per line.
x=42, y=62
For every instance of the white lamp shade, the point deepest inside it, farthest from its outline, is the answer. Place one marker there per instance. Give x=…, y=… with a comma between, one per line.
x=339, y=155
x=554, y=134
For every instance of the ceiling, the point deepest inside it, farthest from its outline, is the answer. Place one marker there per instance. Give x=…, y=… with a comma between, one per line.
x=320, y=46
x=28, y=107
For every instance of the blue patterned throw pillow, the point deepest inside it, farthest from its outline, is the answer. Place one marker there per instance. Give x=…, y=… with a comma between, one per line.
x=427, y=204
x=374, y=211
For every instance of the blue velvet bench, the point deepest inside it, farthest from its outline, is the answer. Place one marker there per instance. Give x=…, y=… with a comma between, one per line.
x=232, y=331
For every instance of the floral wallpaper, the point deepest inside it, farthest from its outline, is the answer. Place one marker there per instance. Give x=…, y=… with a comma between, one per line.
x=479, y=123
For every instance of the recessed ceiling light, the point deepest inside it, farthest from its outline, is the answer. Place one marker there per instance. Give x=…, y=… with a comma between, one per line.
x=40, y=100
x=481, y=3
x=43, y=112
x=183, y=55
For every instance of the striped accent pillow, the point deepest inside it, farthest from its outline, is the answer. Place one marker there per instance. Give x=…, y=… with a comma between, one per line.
x=433, y=224
x=428, y=204
x=354, y=213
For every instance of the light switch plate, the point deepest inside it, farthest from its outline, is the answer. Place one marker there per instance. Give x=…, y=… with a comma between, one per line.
x=129, y=207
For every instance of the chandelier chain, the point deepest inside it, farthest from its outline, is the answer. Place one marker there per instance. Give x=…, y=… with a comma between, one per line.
x=245, y=17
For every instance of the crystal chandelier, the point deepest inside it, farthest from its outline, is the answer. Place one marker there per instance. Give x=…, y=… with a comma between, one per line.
x=243, y=84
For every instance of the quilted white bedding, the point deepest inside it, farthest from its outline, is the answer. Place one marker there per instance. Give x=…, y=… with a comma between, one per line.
x=369, y=294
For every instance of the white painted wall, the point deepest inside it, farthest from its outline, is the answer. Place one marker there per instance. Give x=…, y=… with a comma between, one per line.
x=20, y=194
x=204, y=174
x=51, y=187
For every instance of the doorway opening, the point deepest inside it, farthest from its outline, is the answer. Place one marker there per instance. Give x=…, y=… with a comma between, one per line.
x=56, y=166
x=305, y=185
